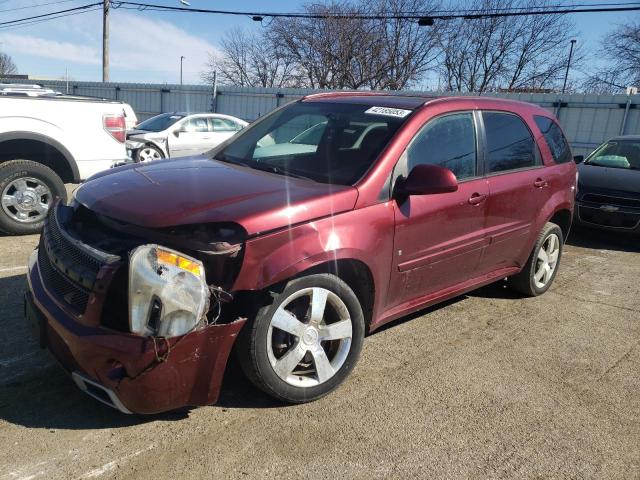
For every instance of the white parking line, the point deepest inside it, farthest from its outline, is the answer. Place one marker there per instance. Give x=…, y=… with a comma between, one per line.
x=13, y=269
x=107, y=467
x=10, y=361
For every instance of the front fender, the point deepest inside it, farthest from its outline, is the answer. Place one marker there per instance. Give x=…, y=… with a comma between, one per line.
x=365, y=235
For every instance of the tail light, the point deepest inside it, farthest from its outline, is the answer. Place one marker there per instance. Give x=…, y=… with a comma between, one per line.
x=115, y=126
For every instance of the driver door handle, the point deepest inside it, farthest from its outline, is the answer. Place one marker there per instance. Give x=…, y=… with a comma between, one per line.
x=540, y=183
x=477, y=198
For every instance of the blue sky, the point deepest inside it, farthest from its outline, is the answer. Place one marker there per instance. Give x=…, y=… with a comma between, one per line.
x=146, y=46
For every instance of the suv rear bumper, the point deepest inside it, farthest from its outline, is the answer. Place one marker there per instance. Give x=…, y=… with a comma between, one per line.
x=131, y=373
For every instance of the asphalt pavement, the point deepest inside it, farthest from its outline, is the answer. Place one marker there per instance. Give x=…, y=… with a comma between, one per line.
x=489, y=385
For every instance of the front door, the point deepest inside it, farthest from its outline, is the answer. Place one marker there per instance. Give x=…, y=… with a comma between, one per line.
x=439, y=238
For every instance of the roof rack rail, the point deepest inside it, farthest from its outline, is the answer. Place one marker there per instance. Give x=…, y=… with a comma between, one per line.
x=21, y=89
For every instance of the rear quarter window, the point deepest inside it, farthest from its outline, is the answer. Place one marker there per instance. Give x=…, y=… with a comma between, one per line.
x=554, y=137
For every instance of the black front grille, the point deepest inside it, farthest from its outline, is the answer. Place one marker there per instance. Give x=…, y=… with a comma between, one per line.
x=69, y=266
x=61, y=286
x=62, y=246
x=609, y=200
x=608, y=219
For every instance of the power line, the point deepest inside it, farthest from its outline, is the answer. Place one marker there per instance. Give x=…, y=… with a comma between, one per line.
x=437, y=15
x=15, y=9
x=44, y=15
x=35, y=22
x=468, y=14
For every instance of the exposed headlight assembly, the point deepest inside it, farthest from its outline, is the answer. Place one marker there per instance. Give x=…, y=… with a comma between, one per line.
x=168, y=293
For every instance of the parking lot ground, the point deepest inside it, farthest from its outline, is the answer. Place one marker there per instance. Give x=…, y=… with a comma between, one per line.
x=490, y=385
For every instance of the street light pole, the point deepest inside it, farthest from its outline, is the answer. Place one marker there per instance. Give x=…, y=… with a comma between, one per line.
x=566, y=73
x=181, y=59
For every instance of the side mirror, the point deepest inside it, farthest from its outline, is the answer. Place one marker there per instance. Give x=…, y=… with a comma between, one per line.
x=427, y=179
x=578, y=158
x=176, y=133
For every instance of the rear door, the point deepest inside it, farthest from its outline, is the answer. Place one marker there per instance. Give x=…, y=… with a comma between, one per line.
x=439, y=238
x=517, y=189
x=221, y=129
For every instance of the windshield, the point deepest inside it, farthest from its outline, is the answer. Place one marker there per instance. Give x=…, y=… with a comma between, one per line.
x=617, y=154
x=326, y=142
x=159, y=122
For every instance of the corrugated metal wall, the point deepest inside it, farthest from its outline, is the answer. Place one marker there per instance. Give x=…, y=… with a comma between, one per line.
x=587, y=120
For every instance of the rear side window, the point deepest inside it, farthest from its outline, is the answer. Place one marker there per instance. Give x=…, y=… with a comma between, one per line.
x=510, y=145
x=196, y=125
x=222, y=125
x=555, y=139
x=448, y=141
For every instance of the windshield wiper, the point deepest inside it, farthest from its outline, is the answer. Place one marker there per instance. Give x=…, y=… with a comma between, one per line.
x=225, y=159
x=277, y=170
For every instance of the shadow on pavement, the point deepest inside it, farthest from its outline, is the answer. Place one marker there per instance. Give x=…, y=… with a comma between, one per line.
x=603, y=239
x=35, y=392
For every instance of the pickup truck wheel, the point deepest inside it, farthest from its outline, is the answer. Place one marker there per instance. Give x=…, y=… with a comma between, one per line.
x=540, y=270
x=27, y=190
x=304, y=344
x=149, y=153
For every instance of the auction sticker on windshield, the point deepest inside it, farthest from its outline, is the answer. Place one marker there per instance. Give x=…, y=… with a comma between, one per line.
x=391, y=112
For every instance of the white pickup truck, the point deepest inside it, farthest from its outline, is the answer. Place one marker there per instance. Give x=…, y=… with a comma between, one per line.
x=48, y=139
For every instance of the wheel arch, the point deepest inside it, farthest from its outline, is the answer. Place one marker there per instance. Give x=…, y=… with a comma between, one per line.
x=356, y=274
x=563, y=218
x=41, y=149
x=353, y=271
x=164, y=151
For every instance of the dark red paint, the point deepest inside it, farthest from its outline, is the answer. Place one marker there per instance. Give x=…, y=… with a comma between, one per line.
x=418, y=249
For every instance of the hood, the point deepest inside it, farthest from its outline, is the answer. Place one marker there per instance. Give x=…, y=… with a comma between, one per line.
x=199, y=190
x=142, y=135
x=611, y=180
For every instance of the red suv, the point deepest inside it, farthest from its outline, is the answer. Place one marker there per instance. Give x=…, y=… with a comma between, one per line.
x=322, y=221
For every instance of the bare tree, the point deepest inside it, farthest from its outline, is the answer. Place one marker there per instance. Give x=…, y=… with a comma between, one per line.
x=250, y=60
x=335, y=51
x=621, y=47
x=7, y=67
x=519, y=52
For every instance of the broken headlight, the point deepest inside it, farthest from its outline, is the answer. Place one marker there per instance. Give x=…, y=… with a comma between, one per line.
x=168, y=293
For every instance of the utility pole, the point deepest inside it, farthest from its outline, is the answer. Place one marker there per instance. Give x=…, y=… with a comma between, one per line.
x=566, y=73
x=181, y=59
x=105, y=40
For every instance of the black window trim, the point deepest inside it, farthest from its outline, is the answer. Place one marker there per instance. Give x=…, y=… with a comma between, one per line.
x=557, y=124
x=487, y=174
x=479, y=144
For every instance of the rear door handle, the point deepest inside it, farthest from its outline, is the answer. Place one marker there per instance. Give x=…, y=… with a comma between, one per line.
x=477, y=198
x=540, y=183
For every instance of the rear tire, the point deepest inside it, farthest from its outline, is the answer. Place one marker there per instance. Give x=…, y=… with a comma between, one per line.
x=303, y=352
x=542, y=266
x=27, y=191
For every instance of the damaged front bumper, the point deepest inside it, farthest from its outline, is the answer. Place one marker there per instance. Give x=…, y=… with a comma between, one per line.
x=134, y=374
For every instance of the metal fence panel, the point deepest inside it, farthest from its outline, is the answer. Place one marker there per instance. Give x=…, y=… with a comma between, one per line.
x=587, y=120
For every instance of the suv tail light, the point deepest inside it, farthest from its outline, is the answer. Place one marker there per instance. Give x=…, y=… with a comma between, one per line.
x=115, y=126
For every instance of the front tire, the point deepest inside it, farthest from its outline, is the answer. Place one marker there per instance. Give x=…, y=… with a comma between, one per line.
x=27, y=191
x=306, y=342
x=149, y=153
x=540, y=270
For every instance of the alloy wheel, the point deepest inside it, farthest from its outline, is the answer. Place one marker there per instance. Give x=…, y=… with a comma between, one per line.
x=148, y=154
x=26, y=200
x=309, y=337
x=547, y=260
